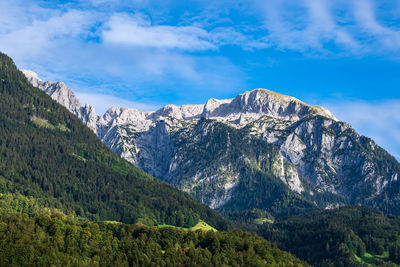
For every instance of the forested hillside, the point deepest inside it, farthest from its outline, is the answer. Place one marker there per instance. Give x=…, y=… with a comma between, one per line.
x=48, y=154
x=54, y=240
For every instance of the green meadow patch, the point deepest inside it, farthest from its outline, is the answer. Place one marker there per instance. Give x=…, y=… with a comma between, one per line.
x=201, y=225
x=371, y=259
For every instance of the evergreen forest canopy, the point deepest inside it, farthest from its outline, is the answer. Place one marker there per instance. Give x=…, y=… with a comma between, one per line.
x=348, y=236
x=54, y=240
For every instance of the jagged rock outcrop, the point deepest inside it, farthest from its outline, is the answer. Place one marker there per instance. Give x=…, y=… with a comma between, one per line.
x=259, y=150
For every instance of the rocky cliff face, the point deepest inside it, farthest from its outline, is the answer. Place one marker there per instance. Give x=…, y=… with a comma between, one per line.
x=259, y=150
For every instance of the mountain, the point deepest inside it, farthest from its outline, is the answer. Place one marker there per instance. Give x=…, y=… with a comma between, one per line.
x=64, y=197
x=260, y=150
x=48, y=154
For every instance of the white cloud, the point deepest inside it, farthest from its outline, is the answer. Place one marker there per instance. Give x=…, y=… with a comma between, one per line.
x=379, y=120
x=365, y=13
x=137, y=31
x=316, y=26
x=329, y=27
x=304, y=25
x=323, y=26
x=35, y=37
x=229, y=36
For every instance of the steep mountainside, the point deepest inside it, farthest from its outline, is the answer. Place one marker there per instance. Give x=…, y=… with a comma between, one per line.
x=46, y=153
x=259, y=150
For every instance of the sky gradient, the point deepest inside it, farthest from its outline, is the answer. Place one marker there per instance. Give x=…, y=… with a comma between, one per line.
x=341, y=54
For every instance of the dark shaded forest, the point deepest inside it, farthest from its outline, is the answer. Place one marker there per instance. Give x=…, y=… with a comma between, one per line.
x=348, y=236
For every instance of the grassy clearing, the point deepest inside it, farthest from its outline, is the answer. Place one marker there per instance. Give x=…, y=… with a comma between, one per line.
x=370, y=259
x=263, y=220
x=43, y=123
x=201, y=225
x=79, y=157
x=367, y=258
x=171, y=226
x=112, y=222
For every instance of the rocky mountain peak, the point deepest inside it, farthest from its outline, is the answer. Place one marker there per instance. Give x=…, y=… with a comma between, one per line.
x=252, y=105
x=184, y=112
x=123, y=115
x=216, y=107
x=267, y=102
x=32, y=77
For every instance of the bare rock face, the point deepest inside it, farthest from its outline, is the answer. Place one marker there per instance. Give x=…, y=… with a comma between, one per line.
x=257, y=150
x=261, y=102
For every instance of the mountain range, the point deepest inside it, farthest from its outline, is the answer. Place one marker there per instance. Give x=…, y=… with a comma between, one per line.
x=67, y=200
x=259, y=150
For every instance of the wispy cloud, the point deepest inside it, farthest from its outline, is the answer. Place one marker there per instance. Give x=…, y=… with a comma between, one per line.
x=380, y=35
x=328, y=27
x=310, y=26
x=379, y=120
x=38, y=35
x=365, y=15
x=137, y=30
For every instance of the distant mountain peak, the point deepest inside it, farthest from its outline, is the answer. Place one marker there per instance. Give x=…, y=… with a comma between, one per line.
x=274, y=104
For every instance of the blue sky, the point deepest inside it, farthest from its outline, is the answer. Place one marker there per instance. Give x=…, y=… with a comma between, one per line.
x=342, y=54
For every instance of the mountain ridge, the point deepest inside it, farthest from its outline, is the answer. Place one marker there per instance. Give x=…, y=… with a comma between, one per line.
x=250, y=102
x=319, y=159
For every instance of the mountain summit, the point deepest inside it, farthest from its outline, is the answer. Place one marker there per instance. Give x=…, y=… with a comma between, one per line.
x=246, y=107
x=258, y=150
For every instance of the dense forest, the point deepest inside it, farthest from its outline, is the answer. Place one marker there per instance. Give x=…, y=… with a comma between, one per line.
x=46, y=240
x=348, y=236
x=47, y=153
